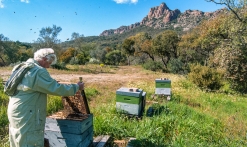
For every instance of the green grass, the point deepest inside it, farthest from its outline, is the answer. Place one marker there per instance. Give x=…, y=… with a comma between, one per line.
x=192, y=117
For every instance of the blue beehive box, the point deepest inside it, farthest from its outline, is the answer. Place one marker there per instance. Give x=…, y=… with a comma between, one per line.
x=76, y=132
x=130, y=100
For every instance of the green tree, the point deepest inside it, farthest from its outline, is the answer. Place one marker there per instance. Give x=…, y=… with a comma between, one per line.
x=165, y=45
x=235, y=6
x=48, y=38
x=143, y=45
x=2, y=48
x=231, y=54
x=98, y=54
x=114, y=57
x=8, y=51
x=128, y=48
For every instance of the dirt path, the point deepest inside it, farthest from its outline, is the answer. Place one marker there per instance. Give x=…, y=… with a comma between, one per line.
x=120, y=74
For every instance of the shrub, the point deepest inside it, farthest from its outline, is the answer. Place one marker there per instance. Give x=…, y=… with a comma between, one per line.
x=153, y=66
x=60, y=66
x=205, y=77
x=73, y=61
x=176, y=66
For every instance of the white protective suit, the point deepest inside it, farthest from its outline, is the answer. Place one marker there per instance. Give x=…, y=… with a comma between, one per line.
x=27, y=109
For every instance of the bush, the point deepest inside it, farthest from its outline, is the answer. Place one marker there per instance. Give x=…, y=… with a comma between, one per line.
x=60, y=66
x=176, y=66
x=205, y=77
x=73, y=61
x=153, y=66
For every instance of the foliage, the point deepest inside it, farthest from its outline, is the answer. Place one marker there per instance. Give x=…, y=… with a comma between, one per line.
x=128, y=48
x=59, y=66
x=114, y=57
x=153, y=65
x=98, y=54
x=165, y=46
x=73, y=61
x=143, y=45
x=8, y=51
x=24, y=54
x=67, y=55
x=234, y=6
x=205, y=77
x=197, y=45
x=176, y=66
x=3, y=112
x=94, y=61
x=54, y=104
x=48, y=38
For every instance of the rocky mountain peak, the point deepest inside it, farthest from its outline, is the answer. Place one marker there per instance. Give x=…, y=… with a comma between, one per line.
x=162, y=17
x=158, y=11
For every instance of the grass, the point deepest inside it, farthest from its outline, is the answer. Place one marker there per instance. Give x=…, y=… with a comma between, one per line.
x=192, y=117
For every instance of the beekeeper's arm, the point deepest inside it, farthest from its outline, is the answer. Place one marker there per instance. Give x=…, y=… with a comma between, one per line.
x=45, y=84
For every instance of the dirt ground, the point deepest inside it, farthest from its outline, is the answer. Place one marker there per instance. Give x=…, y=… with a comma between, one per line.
x=122, y=74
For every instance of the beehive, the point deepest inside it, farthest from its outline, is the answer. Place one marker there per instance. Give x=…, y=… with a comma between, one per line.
x=130, y=100
x=163, y=86
x=71, y=127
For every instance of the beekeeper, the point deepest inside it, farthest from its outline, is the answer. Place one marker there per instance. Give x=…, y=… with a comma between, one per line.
x=27, y=109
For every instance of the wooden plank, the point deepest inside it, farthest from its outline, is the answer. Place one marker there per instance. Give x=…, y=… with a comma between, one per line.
x=101, y=141
x=97, y=140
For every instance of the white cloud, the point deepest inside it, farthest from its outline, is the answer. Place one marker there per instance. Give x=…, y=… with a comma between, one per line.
x=25, y=1
x=1, y=4
x=125, y=1
x=134, y=1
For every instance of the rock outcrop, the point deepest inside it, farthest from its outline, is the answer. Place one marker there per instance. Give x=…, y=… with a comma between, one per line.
x=162, y=17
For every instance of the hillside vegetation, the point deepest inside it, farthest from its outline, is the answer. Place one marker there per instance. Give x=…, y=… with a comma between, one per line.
x=192, y=118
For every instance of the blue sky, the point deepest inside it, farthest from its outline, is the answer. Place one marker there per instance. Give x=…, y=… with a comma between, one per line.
x=23, y=19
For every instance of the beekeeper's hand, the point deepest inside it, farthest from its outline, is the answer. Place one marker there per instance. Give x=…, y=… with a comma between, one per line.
x=81, y=85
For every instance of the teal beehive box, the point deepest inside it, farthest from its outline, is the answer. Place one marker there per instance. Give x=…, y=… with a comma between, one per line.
x=130, y=100
x=163, y=86
x=69, y=132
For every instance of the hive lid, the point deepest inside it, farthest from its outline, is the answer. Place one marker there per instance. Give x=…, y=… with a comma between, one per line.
x=161, y=80
x=135, y=92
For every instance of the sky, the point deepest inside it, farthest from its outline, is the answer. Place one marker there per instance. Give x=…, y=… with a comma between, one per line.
x=21, y=20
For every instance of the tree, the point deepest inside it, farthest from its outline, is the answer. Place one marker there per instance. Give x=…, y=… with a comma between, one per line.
x=113, y=57
x=77, y=39
x=2, y=48
x=143, y=44
x=8, y=50
x=231, y=54
x=98, y=54
x=128, y=48
x=48, y=38
x=197, y=45
x=165, y=45
x=67, y=55
x=82, y=50
x=234, y=6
